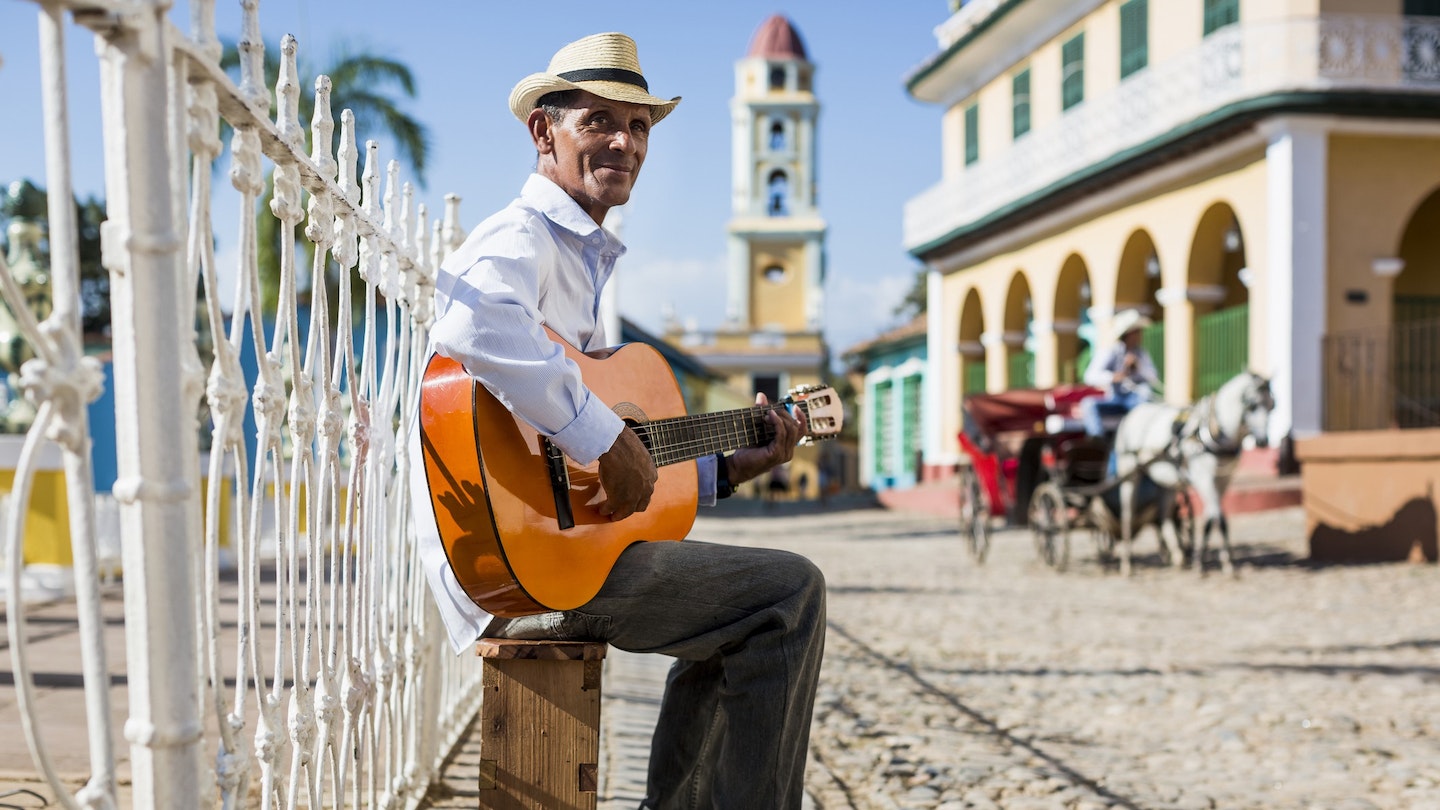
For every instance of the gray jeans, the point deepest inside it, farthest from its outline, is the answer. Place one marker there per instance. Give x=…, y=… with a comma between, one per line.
x=747, y=629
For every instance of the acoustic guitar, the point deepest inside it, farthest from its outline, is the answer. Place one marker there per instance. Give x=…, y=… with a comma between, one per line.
x=519, y=520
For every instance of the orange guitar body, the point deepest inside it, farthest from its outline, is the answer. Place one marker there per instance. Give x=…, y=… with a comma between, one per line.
x=492, y=493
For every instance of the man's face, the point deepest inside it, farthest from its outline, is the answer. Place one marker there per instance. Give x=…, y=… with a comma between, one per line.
x=594, y=151
x=1132, y=339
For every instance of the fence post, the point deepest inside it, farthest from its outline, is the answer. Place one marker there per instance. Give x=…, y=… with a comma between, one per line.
x=143, y=251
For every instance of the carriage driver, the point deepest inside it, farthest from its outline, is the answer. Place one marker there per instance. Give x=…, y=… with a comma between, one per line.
x=1125, y=372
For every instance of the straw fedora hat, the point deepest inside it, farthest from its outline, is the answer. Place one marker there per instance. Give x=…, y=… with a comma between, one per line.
x=1128, y=321
x=603, y=64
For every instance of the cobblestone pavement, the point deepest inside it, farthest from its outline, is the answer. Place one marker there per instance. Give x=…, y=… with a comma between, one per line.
x=949, y=685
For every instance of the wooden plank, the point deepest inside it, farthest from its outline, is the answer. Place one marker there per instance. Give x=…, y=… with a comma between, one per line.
x=540, y=725
x=504, y=648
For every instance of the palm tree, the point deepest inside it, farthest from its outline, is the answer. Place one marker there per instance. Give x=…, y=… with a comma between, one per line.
x=365, y=84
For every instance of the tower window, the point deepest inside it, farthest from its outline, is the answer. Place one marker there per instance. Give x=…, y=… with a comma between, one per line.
x=777, y=136
x=767, y=384
x=774, y=274
x=777, y=78
x=778, y=195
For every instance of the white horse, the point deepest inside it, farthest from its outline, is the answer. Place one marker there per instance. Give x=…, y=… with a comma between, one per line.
x=1196, y=446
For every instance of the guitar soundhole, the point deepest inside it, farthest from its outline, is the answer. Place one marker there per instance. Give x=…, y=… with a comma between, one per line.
x=630, y=412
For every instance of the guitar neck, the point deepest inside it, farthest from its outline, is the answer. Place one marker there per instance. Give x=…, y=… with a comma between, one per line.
x=686, y=438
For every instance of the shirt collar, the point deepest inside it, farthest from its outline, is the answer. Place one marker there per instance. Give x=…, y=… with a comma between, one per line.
x=561, y=209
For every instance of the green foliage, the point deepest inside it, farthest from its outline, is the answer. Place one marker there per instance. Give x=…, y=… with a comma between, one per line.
x=24, y=200
x=913, y=304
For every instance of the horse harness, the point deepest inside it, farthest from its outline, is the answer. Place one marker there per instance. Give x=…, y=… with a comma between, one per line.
x=1199, y=422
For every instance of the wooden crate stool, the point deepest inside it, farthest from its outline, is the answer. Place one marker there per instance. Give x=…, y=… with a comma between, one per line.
x=540, y=724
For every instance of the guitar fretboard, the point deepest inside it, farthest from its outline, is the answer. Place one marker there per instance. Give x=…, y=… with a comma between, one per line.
x=685, y=438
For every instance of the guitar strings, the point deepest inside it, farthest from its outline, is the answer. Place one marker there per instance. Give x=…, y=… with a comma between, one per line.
x=746, y=427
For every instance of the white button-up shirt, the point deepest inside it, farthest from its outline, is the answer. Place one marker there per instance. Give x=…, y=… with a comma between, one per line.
x=540, y=260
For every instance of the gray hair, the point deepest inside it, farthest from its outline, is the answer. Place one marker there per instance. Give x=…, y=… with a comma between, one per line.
x=558, y=103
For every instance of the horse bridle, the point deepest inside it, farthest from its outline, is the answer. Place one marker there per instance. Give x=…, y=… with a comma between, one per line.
x=1209, y=427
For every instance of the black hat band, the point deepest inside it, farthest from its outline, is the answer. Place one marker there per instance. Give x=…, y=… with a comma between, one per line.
x=606, y=75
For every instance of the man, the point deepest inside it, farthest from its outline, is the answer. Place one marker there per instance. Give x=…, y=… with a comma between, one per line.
x=1125, y=372
x=746, y=626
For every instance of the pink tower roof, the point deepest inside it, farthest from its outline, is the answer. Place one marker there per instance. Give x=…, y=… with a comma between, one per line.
x=776, y=38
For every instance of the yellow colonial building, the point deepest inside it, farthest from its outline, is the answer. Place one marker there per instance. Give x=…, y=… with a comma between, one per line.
x=1260, y=177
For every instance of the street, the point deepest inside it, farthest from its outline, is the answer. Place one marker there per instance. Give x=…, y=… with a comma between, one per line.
x=948, y=685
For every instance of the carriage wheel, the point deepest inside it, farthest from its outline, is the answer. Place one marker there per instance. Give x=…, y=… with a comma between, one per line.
x=1050, y=525
x=974, y=514
x=1104, y=545
x=1182, y=517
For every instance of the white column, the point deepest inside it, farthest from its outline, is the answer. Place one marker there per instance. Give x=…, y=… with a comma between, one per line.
x=815, y=283
x=936, y=354
x=143, y=251
x=1295, y=294
x=737, y=307
x=805, y=161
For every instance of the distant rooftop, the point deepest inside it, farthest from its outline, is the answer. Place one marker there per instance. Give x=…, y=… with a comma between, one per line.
x=776, y=38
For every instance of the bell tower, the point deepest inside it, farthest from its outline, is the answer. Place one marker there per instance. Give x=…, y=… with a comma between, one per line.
x=772, y=338
x=776, y=234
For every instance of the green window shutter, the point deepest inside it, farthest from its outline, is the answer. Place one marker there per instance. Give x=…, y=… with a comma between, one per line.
x=1072, y=71
x=910, y=421
x=1220, y=13
x=884, y=438
x=974, y=375
x=1020, y=89
x=972, y=133
x=1134, y=36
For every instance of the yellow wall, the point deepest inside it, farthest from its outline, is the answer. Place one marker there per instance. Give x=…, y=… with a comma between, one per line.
x=47, y=522
x=1376, y=184
x=779, y=304
x=1171, y=219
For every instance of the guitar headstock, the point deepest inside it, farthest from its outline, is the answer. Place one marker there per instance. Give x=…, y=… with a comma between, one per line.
x=822, y=406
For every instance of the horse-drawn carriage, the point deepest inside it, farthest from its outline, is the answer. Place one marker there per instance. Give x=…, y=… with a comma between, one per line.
x=1030, y=463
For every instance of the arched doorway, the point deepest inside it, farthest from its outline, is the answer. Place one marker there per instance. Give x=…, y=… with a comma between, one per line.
x=972, y=351
x=1137, y=287
x=1415, y=335
x=1019, y=342
x=1218, y=281
x=1073, y=333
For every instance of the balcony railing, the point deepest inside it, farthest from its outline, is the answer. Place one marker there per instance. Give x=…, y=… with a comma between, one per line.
x=1239, y=62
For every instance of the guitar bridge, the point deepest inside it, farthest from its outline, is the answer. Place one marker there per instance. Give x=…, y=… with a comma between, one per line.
x=559, y=483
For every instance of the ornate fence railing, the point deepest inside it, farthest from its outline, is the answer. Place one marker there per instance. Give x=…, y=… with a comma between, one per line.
x=319, y=676
x=1383, y=378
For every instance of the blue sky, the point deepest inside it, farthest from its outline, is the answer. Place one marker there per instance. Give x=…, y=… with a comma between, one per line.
x=877, y=147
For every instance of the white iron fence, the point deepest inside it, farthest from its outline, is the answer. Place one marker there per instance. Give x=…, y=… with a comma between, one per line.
x=334, y=688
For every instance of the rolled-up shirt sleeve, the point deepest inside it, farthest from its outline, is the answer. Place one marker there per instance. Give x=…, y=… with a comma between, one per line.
x=493, y=326
x=706, y=474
